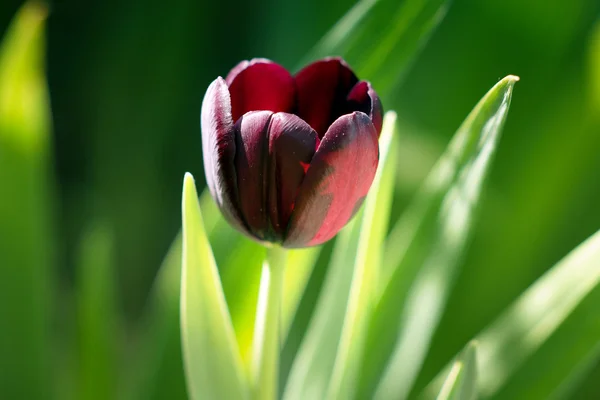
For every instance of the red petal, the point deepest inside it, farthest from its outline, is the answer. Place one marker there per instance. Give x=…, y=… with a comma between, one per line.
x=218, y=147
x=322, y=89
x=336, y=182
x=251, y=165
x=363, y=98
x=260, y=85
x=292, y=144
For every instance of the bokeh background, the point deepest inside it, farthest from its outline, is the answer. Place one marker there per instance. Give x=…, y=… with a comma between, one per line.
x=126, y=81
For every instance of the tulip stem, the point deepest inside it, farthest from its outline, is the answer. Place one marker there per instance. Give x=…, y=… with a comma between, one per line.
x=267, y=338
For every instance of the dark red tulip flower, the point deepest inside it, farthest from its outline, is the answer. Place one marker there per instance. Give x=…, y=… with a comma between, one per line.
x=290, y=159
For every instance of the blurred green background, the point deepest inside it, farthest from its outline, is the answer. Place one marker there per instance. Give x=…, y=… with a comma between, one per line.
x=126, y=81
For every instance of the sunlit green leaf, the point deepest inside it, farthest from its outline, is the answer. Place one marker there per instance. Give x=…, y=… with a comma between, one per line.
x=424, y=249
x=212, y=361
x=300, y=264
x=561, y=307
x=461, y=382
x=366, y=267
x=380, y=38
x=27, y=240
x=336, y=328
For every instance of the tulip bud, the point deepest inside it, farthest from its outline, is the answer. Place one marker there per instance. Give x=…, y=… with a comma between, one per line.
x=290, y=159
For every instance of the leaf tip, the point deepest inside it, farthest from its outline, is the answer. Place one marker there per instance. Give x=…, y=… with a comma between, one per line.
x=189, y=187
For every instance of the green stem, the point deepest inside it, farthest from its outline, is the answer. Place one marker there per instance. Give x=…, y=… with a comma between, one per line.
x=267, y=338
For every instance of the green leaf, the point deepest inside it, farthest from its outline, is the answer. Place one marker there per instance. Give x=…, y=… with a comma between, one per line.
x=212, y=361
x=96, y=316
x=523, y=352
x=461, y=382
x=26, y=204
x=156, y=371
x=300, y=264
x=424, y=249
x=336, y=328
x=560, y=307
x=382, y=51
x=366, y=267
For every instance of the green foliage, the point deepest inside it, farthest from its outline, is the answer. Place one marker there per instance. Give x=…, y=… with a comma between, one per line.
x=327, y=361
x=27, y=240
x=401, y=293
x=383, y=52
x=96, y=316
x=212, y=362
x=424, y=250
x=461, y=382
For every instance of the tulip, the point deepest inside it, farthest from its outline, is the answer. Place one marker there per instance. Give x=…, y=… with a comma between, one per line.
x=290, y=159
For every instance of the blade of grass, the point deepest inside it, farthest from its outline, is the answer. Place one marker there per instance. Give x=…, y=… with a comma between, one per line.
x=212, y=361
x=344, y=301
x=157, y=366
x=560, y=307
x=381, y=38
x=366, y=267
x=424, y=249
x=27, y=240
x=300, y=264
x=461, y=382
x=96, y=316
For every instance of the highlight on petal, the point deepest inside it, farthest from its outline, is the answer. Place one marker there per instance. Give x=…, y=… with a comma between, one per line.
x=218, y=148
x=322, y=88
x=337, y=181
x=242, y=65
x=363, y=98
x=251, y=162
x=292, y=145
x=260, y=85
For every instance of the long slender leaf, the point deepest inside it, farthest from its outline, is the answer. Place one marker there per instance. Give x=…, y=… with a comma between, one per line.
x=561, y=307
x=461, y=383
x=157, y=366
x=424, y=250
x=212, y=361
x=382, y=52
x=300, y=264
x=366, y=268
x=26, y=204
x=340, y=308
x=97, y=317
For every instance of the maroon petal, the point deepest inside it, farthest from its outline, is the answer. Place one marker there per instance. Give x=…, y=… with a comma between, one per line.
x=363, y=98
x=260, y=85
x=242, y=65
x=322, y=89
x=251, y=162
x=218, y=147
x=337, y=181
x=292, y=144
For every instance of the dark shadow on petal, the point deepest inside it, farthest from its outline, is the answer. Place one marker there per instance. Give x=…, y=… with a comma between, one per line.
x=363, y=98
x=292, y=146
x=322, y=88
x=251, y=163
x=339, y=175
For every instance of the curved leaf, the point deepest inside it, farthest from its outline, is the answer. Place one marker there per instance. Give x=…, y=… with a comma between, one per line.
x=424, y=249
x=461, y=382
